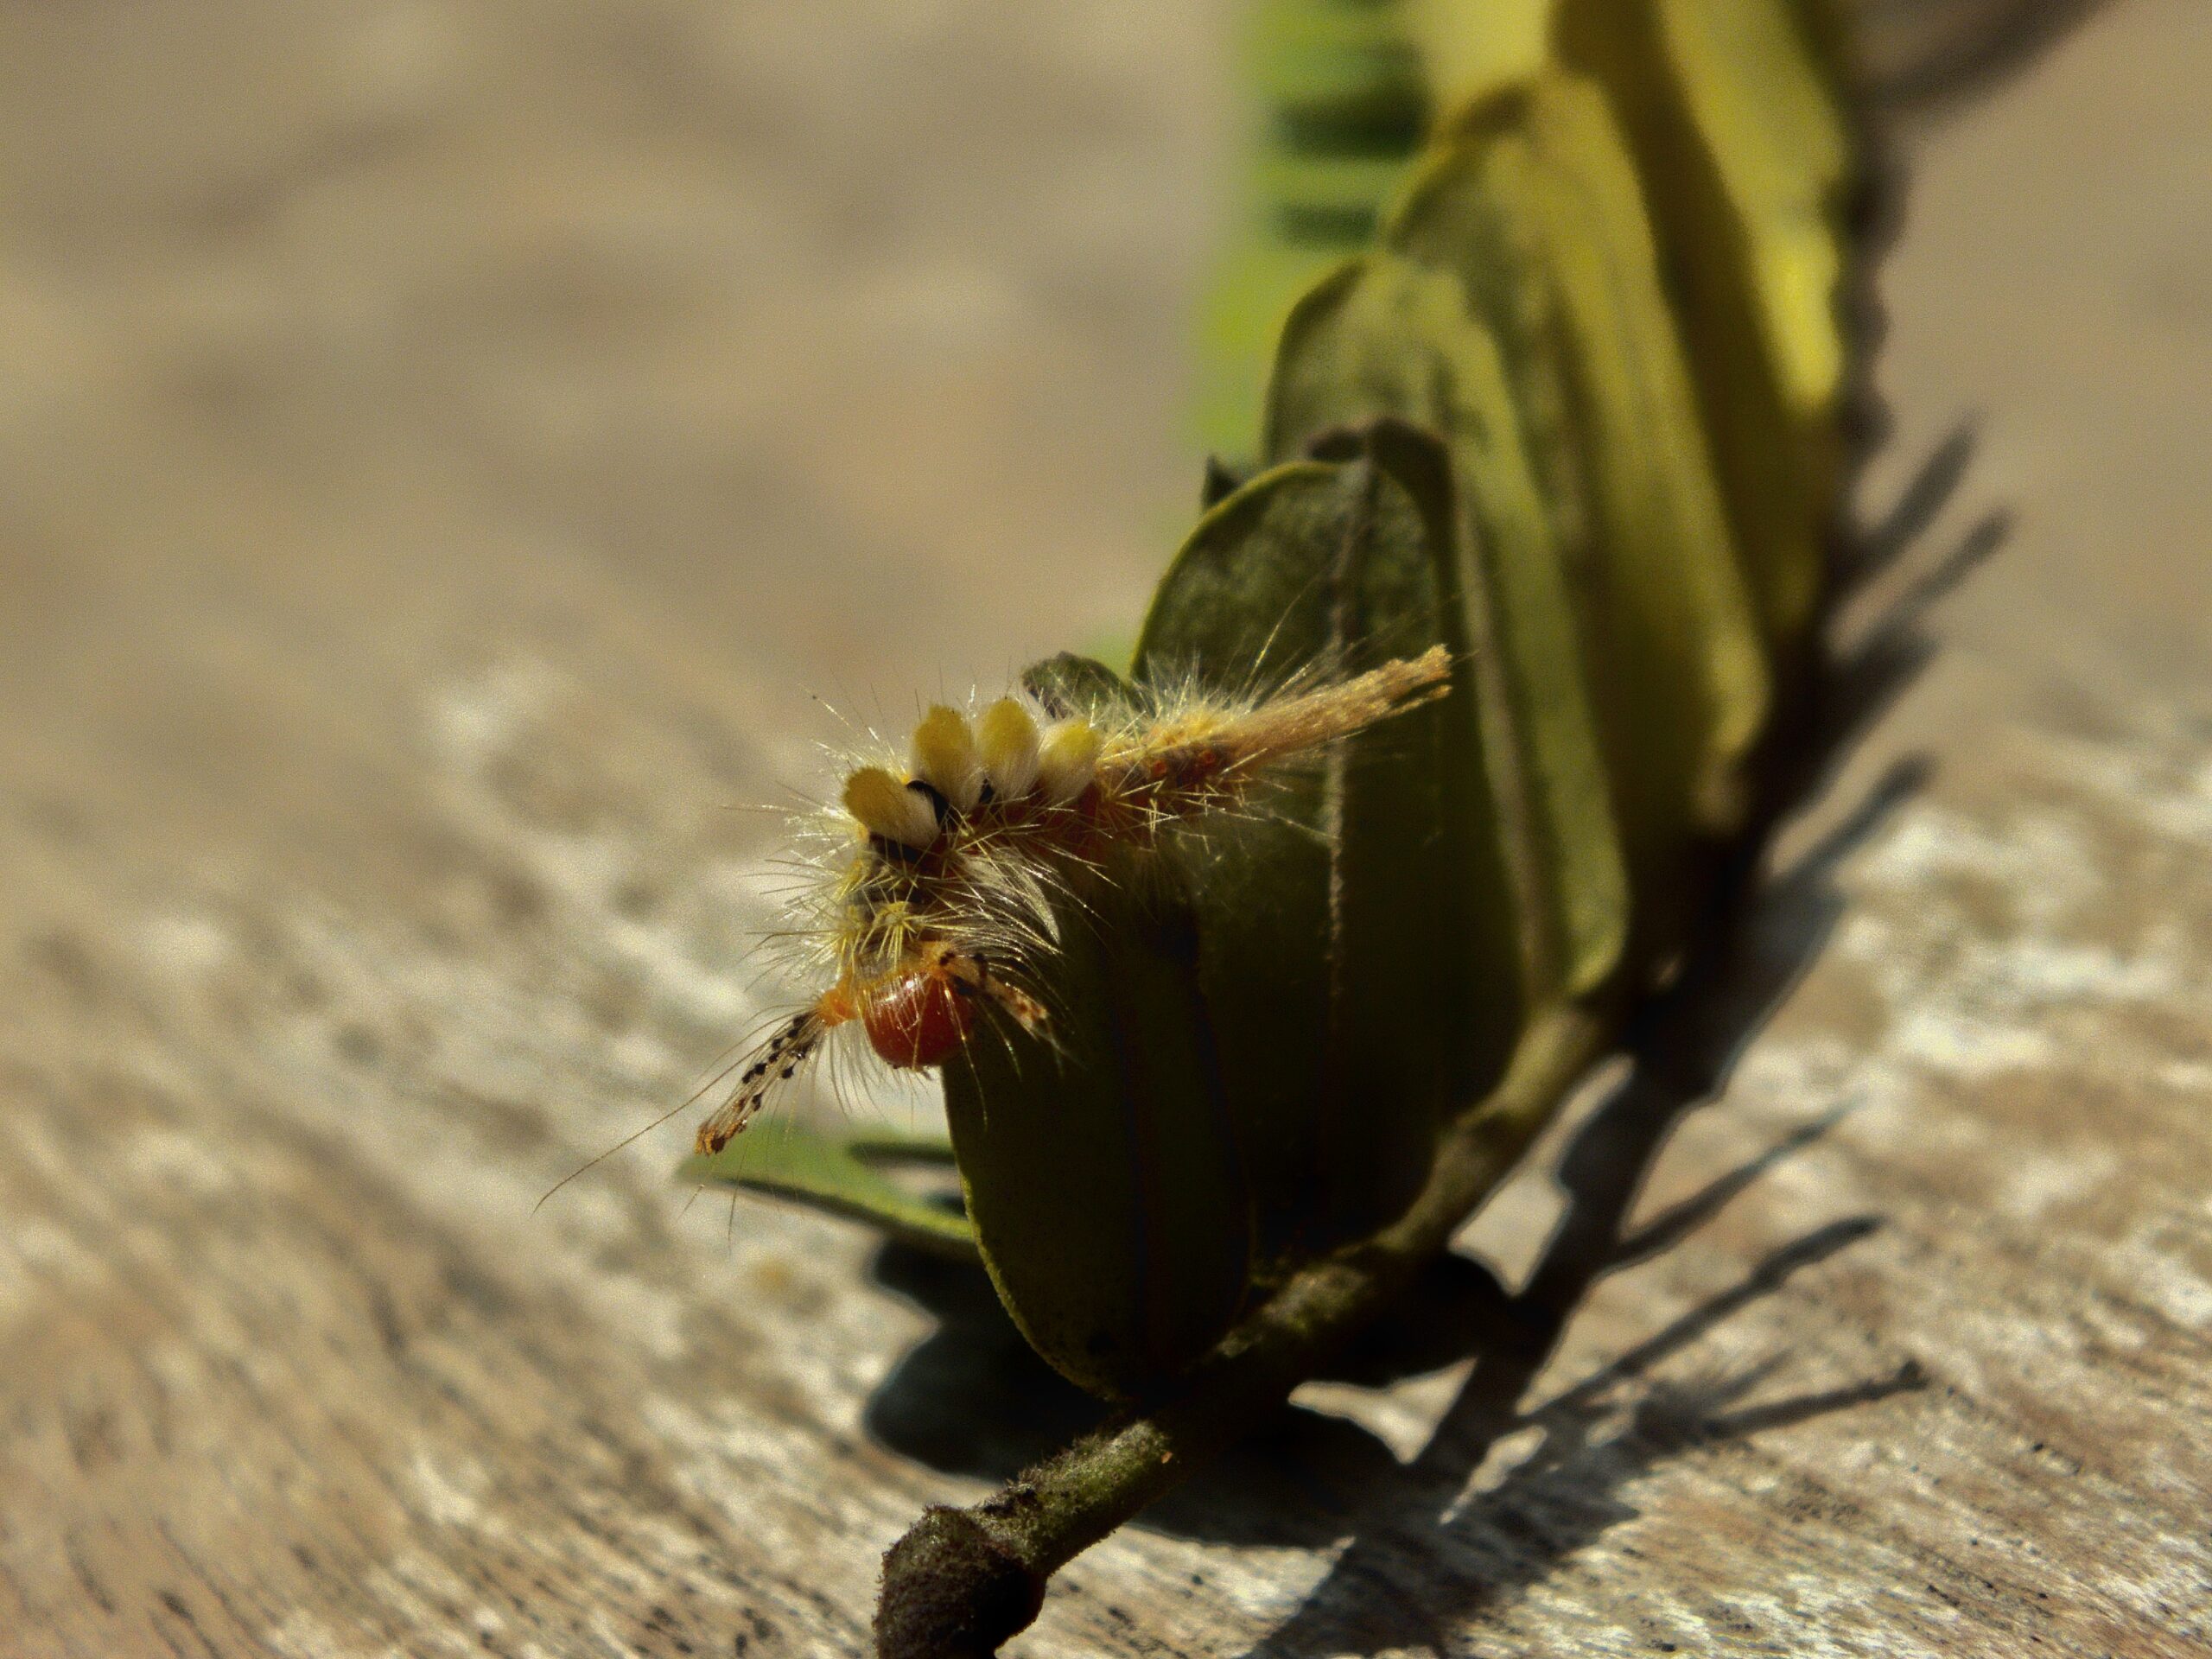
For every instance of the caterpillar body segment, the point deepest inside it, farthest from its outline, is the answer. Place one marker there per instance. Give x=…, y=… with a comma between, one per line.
x=938, y=896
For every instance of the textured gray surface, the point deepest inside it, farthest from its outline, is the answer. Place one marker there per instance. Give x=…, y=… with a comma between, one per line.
x=441, y=448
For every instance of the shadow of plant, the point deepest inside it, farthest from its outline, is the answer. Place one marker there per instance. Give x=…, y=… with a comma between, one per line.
x=1396, y=1584
x=1483, y=1551
x=973, y=1399
x=1424, y=1556
x=1932, y=54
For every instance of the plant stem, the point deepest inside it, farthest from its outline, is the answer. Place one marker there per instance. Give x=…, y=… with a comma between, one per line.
x=962, y=1581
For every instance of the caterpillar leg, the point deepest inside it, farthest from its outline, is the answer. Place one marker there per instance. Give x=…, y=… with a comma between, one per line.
x=975, y=976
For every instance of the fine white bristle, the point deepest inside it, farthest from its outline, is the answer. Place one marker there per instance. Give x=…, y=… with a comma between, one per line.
x=1007, y=740
x=1067, y=759
x=945, y=757
x=886, y=807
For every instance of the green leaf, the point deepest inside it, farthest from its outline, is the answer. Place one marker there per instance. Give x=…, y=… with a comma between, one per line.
x=1359, y=944
x=1386, y=337
x=1831, y=32
x=1534, y=206
x=842, y=1173
x=1748, y=164
x=1070, y=685
x=1099, y=1164
x=1340, y=79
x=1256, y=281
x=1344, y=100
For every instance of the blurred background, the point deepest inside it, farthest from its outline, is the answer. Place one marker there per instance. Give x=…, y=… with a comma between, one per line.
x=434, y=435
x=455, y=457
x=790, y=336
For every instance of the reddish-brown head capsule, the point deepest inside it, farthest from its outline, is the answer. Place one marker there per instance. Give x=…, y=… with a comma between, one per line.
x=919, y=1021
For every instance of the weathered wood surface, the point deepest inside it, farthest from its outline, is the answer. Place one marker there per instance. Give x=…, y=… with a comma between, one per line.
x=439, y=448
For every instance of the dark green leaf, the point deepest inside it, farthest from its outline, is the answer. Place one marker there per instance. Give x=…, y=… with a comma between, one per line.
x=1386, y=337
x=1100, y=1165
x=844, y=1174
x=1359, y=944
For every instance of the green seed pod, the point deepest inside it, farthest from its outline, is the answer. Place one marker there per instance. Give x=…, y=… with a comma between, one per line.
x=1561, y=449
x=845, y=1174
x=1099, y=1163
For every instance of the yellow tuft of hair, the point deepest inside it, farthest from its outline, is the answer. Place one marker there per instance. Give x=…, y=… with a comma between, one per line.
x=1068, y=759
x=945, y=757
x=1008, y=741
x=884, y=806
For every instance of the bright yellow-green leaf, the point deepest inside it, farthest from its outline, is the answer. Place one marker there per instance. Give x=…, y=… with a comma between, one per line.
x=1470, y=49
x=844, y=1173
x=1747, y=163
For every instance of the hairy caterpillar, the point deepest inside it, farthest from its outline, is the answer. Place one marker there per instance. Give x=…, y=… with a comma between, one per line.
x=931, y=900
x=1532, y=352
x=1534, y=358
